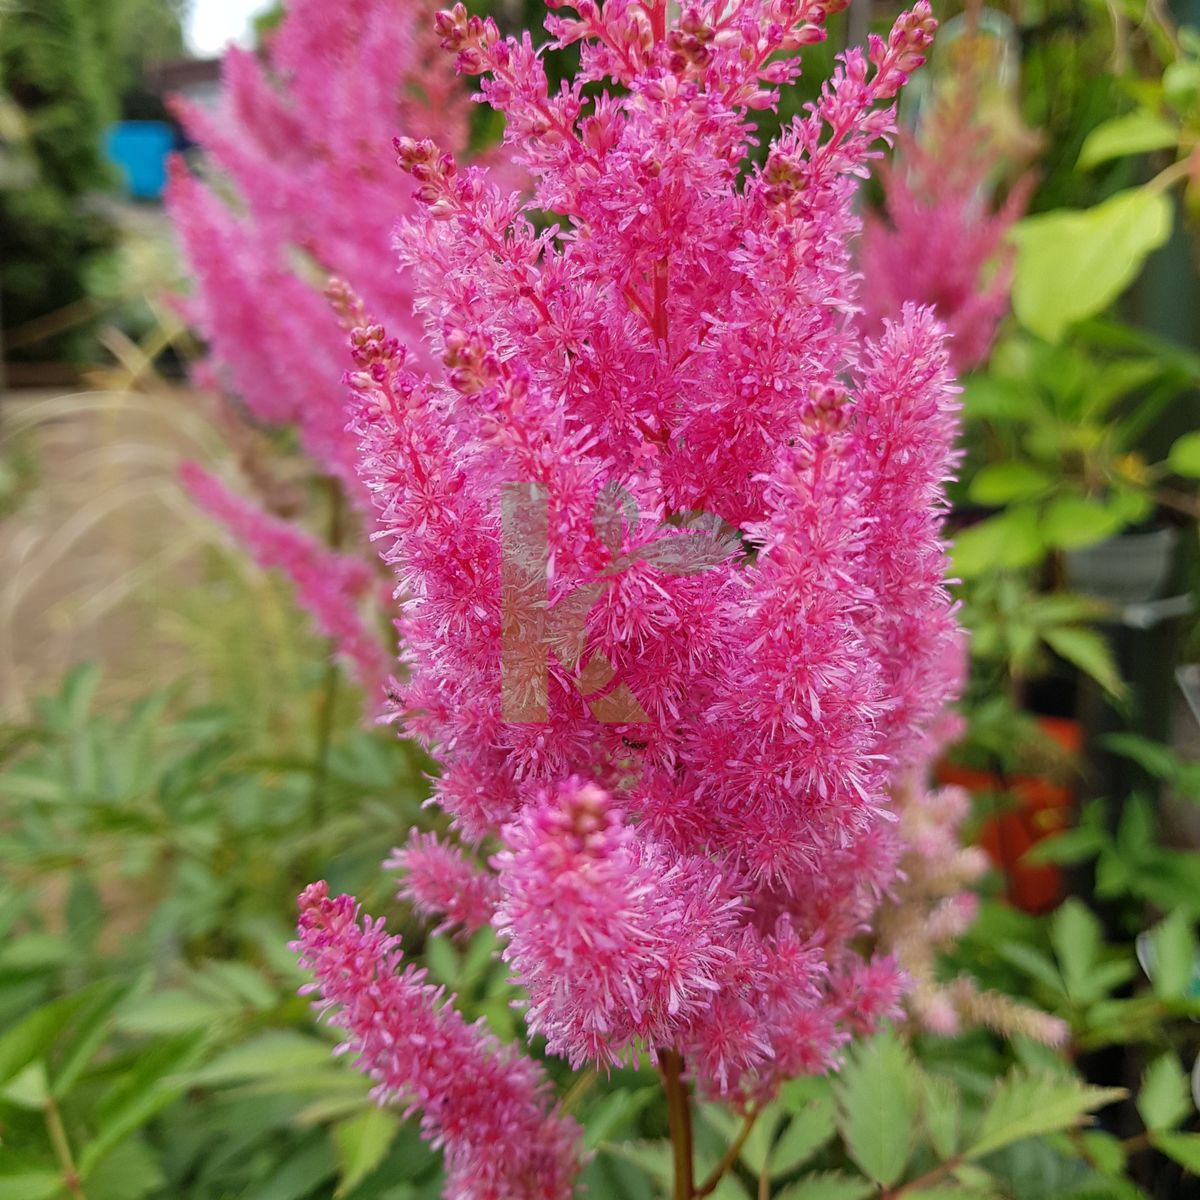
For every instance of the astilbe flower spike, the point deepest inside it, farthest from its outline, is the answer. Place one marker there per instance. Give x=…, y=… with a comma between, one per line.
x=666, y=533
x=300, y=137
x=483, y=1103
x=329, y=586
x=941, y=240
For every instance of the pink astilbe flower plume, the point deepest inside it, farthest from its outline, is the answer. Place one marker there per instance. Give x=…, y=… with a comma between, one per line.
x=941, y=240
x=666, y=534
x=300, y=137
x=441, y=882
x=617, y=939
x=329, y=586
x=483, y=1103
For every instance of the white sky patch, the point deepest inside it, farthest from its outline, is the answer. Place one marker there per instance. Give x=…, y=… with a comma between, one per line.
x=213, y=24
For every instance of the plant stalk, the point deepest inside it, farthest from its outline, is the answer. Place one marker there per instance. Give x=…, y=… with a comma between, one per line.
x=679, y=1122
x=729, y=1157
x=62, y=1149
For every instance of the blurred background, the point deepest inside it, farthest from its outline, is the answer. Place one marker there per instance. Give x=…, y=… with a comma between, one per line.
x=179, y=755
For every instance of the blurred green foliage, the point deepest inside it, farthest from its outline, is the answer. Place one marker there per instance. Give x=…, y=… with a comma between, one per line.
x=67, y=70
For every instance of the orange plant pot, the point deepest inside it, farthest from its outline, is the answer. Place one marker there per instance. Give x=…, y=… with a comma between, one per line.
x=1041, y=807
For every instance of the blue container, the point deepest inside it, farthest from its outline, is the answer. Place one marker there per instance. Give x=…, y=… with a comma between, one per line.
x=139, y=149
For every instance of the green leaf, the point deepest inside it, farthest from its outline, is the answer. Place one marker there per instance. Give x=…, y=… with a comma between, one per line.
x=1003, y=482
x=300, y=1176
x=31, y=1037
x=140, y=1095
x=1153, y=757
x=1184, y=458
x=1024, y=1105
x=86, y=1037
x=807, y=1132
x=653, y=1157
x=941, y=1109
x=757, y=1147
x=878, y=1107
x=830, y=1185
x=1009, y=539
x=130, y=1172
x=1074, y=846
x=1105, y=1150
x=1072, y=521
x=613, y=1111
x=173, y=1010
x=362, y=1142
x=30, y=1184
x=1174, y=949
x=274, y=1053
x=1077, y=937
x=1087, y=650
x=1072, y=264
x=1134, y=133
x=29, y=1090
x=1184, y=1148
x=1164, y=1099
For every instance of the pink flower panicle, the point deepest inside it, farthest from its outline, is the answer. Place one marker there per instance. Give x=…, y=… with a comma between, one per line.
x=302, y=137
x=441, y=882
x=329, y=586
x=941, y=241
x=487, y=1107
x=638, y=933
x=697, y=825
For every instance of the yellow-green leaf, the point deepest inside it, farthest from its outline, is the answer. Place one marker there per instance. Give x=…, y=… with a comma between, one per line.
x=1134, y=133
x=1073, y=263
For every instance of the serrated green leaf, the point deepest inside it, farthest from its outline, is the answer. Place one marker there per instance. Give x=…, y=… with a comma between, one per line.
x=173, y=1010
x=1034, y=963
x=1087, y=650
x=1077, y=937
x=1174, y=949
x=1024, y=1105
x=75, y=1052
x=804, y=1135
x=1163, y=1100
x=830, y=1185
x=613, y=1111
x=757, y=1146
x=300, y=1176
x=1137, y=132
x=29, y=1089
x=941, y=1108
x=140, y=1094
x=130, y=1172
x=1153, y=757
x=32, y=1036
x=1072, y=264
x=653, y=1157
x=362, y=1142
x=1104, y=1150
x=878, y=1104
x=1184, y=1148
